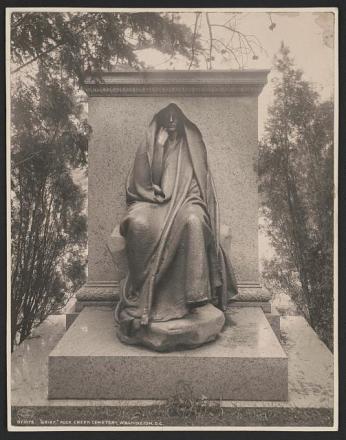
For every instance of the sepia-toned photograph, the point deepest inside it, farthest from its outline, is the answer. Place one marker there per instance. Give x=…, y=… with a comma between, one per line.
x=172, y=219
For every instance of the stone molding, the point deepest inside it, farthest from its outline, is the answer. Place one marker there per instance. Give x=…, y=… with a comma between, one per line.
x=177, y=83
x=252, y=294
x=109, y=291
x=98, y=292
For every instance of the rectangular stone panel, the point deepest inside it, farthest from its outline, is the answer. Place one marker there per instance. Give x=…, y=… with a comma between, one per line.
x=229, y=128
x=245, y=363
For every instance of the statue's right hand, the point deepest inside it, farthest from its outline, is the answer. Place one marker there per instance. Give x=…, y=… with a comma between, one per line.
x=158, y=191
x=162, y=136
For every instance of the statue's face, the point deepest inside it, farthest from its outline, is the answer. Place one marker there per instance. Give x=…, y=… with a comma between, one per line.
x=171, y=120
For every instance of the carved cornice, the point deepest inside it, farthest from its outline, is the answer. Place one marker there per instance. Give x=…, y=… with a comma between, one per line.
x=177, y=83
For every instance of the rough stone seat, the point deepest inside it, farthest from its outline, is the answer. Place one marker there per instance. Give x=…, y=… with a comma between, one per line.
x=201, y=326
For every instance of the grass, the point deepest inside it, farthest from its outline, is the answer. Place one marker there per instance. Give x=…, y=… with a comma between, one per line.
x=181, y=409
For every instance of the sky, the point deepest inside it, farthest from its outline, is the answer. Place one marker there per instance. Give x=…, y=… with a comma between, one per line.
x=309, y=36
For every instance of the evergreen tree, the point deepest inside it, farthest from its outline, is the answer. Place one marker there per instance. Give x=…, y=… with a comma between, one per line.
x=296, y=182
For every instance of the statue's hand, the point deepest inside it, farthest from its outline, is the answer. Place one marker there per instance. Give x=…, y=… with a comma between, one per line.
x=162, y=136
x=158, y=191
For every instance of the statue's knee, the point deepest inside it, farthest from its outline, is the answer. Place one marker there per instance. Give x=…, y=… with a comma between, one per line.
x=139, y=223
x=192, y=218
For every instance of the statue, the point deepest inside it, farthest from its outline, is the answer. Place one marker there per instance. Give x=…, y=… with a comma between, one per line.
x=179, y=276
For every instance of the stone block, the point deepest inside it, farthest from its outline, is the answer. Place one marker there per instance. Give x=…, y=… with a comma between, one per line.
x=70, y=306
x=264, y=305
x=274, y=321
x=94, y=294
x=102, y=303
x=246, y=362
x=70, y=312
x=100, y=291
x=252, y=293
x=70, y=318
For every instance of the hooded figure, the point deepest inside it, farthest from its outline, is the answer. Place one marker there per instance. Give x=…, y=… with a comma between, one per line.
x=175, y=259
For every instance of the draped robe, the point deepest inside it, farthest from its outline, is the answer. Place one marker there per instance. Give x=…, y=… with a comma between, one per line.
x=174, y=256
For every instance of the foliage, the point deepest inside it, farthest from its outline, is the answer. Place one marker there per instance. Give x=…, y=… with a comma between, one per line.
x=296, y=181
x=48, y=225
x=86, y=42
x=92, y=41
x=50, y=54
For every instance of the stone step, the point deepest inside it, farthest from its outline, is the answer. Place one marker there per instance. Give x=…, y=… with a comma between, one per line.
x=246, y=362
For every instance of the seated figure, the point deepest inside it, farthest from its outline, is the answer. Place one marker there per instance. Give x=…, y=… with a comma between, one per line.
x=175, y=261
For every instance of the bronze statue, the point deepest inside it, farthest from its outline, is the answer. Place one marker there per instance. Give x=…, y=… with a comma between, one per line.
x=176, y=264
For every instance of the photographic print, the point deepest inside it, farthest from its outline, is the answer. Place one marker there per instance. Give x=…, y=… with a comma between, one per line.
x=172, y=219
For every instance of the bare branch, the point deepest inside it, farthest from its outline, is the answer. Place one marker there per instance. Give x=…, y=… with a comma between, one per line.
x=194, y=40
x=240, y=34
x=229, y=49
x=29, y=157
x=211, y=40
x=239, y=49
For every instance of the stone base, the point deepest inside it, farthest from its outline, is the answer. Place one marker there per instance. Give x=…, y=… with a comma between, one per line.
x=202, y=325
x=310, y=390
x=246, y=362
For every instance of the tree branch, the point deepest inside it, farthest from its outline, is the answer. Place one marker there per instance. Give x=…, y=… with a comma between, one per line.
x=229, y=49
x=51, y=49
x=211, y=40
x=240, y=34
x=194, y=40
x=15, y=24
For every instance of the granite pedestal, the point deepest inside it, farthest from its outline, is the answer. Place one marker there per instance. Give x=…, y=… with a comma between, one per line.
x=246, y=362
